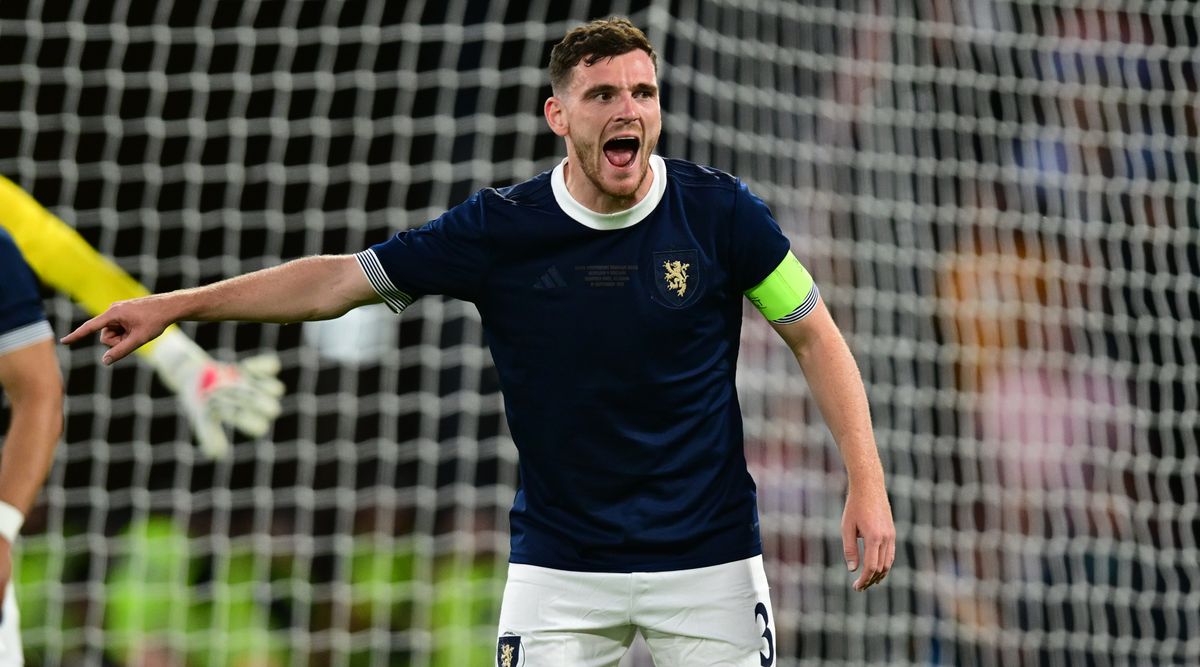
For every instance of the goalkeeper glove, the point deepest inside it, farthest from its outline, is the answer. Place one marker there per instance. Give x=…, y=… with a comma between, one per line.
x=244, y=395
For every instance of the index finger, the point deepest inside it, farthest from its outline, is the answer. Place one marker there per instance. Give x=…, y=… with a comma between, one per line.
x=86, y=329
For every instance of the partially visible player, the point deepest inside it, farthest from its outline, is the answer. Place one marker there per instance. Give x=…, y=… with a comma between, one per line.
x=31, y=380
x=611, y=292
x=213, y=394
x=165, y=604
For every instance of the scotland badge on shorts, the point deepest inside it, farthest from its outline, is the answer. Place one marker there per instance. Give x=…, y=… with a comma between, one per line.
x=508, y=651
x=676, y=276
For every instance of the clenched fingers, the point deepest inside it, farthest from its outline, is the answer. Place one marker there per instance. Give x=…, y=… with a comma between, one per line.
x=880, y=555
x=125, y=326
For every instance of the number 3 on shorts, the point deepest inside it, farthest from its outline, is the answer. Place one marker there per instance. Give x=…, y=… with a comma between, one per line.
x=765, y=659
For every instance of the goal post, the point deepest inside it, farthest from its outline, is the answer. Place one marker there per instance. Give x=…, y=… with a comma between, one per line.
x=997, y=199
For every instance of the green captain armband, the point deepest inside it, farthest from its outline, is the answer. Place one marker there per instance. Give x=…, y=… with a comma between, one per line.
x=787, y=294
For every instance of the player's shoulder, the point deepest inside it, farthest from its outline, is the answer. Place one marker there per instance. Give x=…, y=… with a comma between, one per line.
x=482, y=209
x=533, y=192
x=693, y=175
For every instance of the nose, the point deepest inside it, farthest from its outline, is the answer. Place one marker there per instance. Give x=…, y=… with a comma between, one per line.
x=628, y=108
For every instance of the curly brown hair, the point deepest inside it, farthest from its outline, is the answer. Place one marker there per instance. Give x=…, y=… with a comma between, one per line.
x=595, y=41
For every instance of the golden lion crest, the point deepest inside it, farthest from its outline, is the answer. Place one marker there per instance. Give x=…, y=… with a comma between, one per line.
x=508, y=650
x=676, y=277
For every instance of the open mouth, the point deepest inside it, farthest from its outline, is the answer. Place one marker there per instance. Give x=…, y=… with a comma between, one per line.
x=621, y=151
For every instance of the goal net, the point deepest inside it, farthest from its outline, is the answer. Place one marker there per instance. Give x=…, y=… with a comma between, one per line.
x=998, y=200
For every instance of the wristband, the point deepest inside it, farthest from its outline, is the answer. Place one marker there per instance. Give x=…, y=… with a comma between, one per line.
x=11, y=521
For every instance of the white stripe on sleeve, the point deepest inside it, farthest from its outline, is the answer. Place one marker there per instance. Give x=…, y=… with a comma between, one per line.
x=803, y=309
x=24, y=336
x=395, y=298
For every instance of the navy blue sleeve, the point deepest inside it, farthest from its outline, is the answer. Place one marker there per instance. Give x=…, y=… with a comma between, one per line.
x=758, y=243
x=22, y=320
x=449, y=255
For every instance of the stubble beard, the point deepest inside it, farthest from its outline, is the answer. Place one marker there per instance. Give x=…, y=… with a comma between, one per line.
x=589, y=164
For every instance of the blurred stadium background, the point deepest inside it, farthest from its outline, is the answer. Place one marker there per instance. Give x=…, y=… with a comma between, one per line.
x=999, y=200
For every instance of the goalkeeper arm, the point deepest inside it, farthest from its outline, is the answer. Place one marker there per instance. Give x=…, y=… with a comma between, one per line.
x=213, y=394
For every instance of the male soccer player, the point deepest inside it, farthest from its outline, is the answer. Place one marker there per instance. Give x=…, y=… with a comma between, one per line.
x=213, y=394
x=30, y=378
x=610, y=291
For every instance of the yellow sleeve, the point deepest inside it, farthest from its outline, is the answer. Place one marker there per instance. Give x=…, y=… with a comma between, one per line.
x=61, y=258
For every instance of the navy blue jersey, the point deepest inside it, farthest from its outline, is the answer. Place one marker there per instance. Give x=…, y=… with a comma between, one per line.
x=615, y=338
x=22, y=320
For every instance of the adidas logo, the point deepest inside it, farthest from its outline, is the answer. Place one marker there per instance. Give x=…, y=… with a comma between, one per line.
x=551, y=279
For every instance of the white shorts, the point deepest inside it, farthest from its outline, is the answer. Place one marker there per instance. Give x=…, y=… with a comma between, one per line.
x=11, y=654
x=705, y=617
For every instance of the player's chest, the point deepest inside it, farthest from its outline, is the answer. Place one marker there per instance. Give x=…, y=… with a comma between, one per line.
x=655, y=270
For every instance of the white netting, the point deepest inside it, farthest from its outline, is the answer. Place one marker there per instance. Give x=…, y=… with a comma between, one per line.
x=998, y=200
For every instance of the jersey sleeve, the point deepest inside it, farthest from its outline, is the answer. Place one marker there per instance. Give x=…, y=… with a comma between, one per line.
x=22, y=320
x=768, y=273
x=449, y=255
x=758, y=243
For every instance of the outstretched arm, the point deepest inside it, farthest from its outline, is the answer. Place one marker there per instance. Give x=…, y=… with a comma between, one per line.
x=313, y=288
x=837, y=386
x=212, y=393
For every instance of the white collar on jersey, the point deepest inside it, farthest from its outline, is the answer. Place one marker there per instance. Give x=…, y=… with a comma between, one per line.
x=609, y=221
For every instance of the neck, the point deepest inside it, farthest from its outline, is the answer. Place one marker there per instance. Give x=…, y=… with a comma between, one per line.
x=596, y=200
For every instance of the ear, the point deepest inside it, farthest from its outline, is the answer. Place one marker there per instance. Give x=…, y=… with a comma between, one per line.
x=556, y=116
